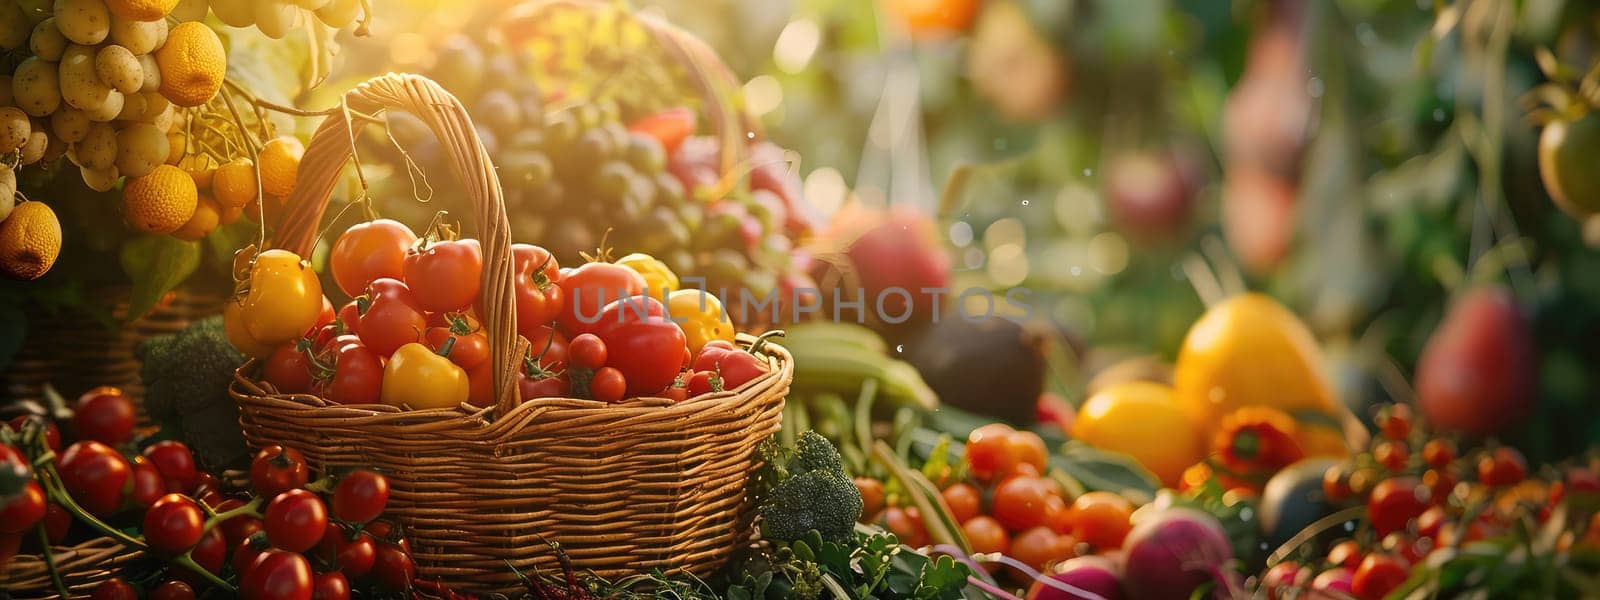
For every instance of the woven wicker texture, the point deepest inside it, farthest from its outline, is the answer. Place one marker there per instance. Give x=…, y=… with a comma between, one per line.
x=623, y=488
x=82, y=567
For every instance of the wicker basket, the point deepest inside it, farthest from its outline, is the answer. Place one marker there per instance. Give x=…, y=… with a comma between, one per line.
x=640, y=485
x=82, y=567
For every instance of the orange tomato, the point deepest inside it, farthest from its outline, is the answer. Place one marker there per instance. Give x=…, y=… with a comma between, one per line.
x=989, y=451
x=1101, y=519
x=906, y=524
x=1022, y=502
x=871, y=496
x=1039, y=547
x=964, y=501
x=985, y=534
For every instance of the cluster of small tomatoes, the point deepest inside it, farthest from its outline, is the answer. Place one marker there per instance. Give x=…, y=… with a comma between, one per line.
x=292, y=539
x=1421, y=502
x=1008, y=507
x=411, y=335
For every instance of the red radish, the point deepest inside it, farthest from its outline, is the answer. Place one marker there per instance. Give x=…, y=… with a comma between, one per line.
x=1476, y=374
x=1175, y=551
x=1093, y=574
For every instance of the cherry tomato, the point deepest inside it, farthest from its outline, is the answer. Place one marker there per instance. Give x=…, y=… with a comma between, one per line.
x=392, y=569
x=1101, y=519
x=1283, y=577
x=94, y=475
x=350, y=316
x=328, y=314
x=57, y=523
x=1438, y=453
x=330, y=586
x=368, y=251
x=1378, y=575
x=544, y=387
x=353, y=556
x=277, y=469
x=393, y=319
x=386, y=532
x=1394, y=421
x=586, y=351
x=295, y=520
x=247, y=551
x=204, y=481
x=24, y=510
x=114, y=589
x=1028, y=448
x=989, y=451
x=148, y=486
x=607, y=385
x=540, y=299
x=703, y=382
x=591, y=287
x=173, y=524
x=1020, y=502
x=470, y=348
x=288, y=369
x=648, y=350
x=1395, y=502
x=104, y=415
x=239, y=528
x=445, y=275
x=906, y=524
x=1391, y=454
x=277, y=575
x=964, y=501
x=211, y=552
x=1336, y=483
x=1502, y=467
x=1439, y=483
x=1405, y=546
x=674, y=392
x=985, y=534
x=176, y=464
x=360, y=496
x=872, y=496
x=172, y=589
x=52, y=434
x=1038, y=547
x=1345, y=554
x=357, y=376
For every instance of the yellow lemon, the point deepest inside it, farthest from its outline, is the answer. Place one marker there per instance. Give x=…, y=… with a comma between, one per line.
x=30, y=240
x=1250, y=350
x=280, y=166
x=160, y=202
x=1141, y=419
x=192, y=64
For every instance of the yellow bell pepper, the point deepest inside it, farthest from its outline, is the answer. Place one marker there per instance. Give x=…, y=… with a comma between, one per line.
x=418, y=378
x=700, y=315
x=659, y=281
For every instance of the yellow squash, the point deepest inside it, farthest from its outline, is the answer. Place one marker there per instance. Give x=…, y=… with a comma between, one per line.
x=1246, y=351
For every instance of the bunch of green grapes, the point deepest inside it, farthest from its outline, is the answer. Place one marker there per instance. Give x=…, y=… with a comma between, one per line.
x=275, y=18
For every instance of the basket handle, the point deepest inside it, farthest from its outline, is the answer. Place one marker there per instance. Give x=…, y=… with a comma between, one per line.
x=331, y=147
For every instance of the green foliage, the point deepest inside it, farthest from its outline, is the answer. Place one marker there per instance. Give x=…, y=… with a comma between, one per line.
x=186, y=377
x=806, y=489
x=872, y=565
x=156, y=264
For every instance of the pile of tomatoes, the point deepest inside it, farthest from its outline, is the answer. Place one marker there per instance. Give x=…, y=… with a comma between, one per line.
x=410, y=336
x=1007, y=507
x=292, y=538
x=1419, y=502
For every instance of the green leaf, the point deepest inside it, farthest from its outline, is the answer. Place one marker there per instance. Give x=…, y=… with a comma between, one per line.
x=1098, y=469
x=227, y=239
x=156, y=264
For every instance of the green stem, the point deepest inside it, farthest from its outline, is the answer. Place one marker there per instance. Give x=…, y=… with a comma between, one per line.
x=214, y=518
x=187, y=562
x=50, y=561
x=56, y=493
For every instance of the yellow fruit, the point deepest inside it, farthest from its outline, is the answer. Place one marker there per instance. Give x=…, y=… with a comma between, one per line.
x=177, y=146
x=141, y=10
x=205, y=219
x=1141, y=419
x=285, y=297
x=280, y=165
x=233, y=327
x=192, y=63
x=160, y=202
x=229, y=215
x=1249, y=350
x=234, y=183
x=30, y=240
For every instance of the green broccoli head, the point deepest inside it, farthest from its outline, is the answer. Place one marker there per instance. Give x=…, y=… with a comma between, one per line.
x=186, y=377
x=811, y=493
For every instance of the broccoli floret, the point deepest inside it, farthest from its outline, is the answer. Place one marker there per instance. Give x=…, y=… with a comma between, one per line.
x=811, y=492
x=186, y=377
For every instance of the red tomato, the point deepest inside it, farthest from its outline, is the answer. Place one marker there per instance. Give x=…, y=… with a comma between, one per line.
x=703, y=382
x=1019, y=502
x=1378, y=575
x=57, y=523
x=393, y=319
x=24, y=510
x=277, y=469
x=735, y=366
x=114, y=589
x=669, y=127
x=176, y=464
x=1039, y=547
x=539, y=299
x=648, y=350
x=173, y=524
x=350, y=316
x=1502, y=467
x=544, y=387
x=964, y=501
x=1028, y=448
x=393, y=569
x=1394, y=421
x=357, y=375
x=330, y=586
x=985, y=534
x=470, y=348
x=1101, y=519
x=239, y=528
x=353, y=556
x=94, y=475
x=104, y=415
x=1395, y=502
x=872, y=497
x=295, y=520
x=445, y=275
x=246, y=553
x=360, y=496
x=989, y=451
x=548, y=348
x=1391, y=454
x=586, y=351
x=674, y=392
x=277, y=575
x=148, y=486
x=368, y=251
x=607, y=385
x=52, y=434
x=1438, y=453
x=592, y=287
x=211, y=552
x=172, y=589
x=906, y=524
x=287, y=369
